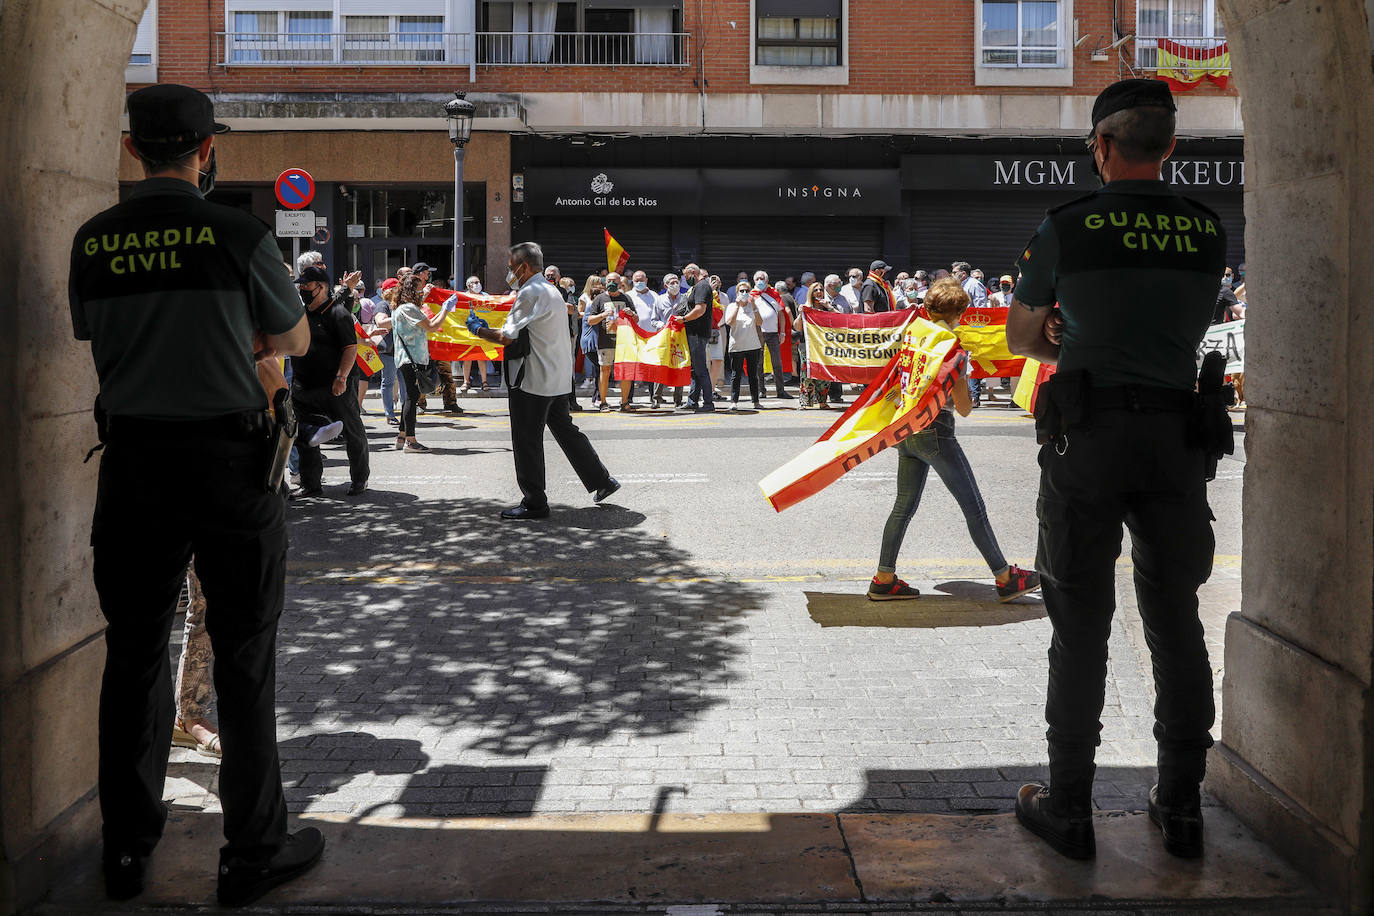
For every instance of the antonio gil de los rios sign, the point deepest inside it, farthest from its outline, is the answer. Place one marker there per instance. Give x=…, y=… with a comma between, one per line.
x=647, y=192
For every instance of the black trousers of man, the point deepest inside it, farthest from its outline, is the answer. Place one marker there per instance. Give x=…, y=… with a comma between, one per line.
x=772, y=340
x=161, y=500
x=1134, y=467
x=529, y=415
x=324, y=402
x=701, y=391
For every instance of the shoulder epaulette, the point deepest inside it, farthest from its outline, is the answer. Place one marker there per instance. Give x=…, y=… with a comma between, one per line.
x=1076, y=200
x=1203, y=207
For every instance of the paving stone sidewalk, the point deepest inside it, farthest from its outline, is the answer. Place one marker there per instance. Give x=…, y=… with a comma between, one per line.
x=427, y=694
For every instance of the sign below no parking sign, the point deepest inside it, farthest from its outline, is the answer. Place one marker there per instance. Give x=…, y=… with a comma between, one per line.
x=295, y=189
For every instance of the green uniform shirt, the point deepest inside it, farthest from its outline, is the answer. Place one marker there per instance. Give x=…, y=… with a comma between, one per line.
x=1134, y=268
x=169, y=288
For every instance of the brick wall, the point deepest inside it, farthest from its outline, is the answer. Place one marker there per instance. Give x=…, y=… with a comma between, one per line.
x=890, y=51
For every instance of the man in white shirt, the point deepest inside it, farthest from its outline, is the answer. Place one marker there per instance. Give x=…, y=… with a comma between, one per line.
x=769, y=303
x=540, y=383
x=849, y=293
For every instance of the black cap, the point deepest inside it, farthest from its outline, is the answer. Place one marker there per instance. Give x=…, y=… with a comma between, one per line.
x=171, y=119
x=878, y=265
x=312, y=274
x=420, y=266
x=1134, y=93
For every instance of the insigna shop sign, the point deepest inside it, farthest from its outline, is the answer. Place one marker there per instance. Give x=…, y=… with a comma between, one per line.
x=1034, y=173
x=649, y=192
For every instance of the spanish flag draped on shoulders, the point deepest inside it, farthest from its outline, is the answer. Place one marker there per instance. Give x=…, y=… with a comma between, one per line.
x=770, y=299
x=877, y=280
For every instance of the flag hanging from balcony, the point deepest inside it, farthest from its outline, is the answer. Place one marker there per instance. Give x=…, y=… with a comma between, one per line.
x=616, y=256
x=1184, y=67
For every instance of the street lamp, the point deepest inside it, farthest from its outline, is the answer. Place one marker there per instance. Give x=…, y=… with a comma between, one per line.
x=459, y=112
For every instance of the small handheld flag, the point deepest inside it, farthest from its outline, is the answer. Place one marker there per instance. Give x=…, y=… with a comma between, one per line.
x=616, y=256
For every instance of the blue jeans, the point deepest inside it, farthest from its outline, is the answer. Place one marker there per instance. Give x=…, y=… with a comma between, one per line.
x=389, y=384
x=935, y=447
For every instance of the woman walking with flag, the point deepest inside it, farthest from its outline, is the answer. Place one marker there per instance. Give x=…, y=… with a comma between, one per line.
x=936, y=447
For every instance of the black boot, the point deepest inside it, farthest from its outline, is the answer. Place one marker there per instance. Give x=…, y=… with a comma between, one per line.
x=241, y=882
x=1062, y=819
x=1179, y=820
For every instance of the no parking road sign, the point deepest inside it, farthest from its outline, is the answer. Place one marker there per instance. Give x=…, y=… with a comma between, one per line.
x=295, y=189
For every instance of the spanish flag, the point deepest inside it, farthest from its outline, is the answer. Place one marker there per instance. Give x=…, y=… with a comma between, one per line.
x=983, y=333
x=857, y=348
x=616, y=256
x=1184, y=66
x=1028, y=385
x=652, y=356
x=914, y=386
x=453, y=341
x=367, y=359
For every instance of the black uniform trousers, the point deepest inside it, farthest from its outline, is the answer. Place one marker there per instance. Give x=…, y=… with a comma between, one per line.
x=529, y=415
x=158, y=503
x=336, y=407
x=1136, y=468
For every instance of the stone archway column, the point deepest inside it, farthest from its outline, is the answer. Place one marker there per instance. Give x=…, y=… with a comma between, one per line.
x=1296, y=759
x=61, y=95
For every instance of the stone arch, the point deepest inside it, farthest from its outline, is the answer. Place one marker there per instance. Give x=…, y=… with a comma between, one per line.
x=1297, y=751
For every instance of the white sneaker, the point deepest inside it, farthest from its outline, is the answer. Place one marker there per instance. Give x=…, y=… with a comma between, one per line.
x=327, y=433
x=295, y=480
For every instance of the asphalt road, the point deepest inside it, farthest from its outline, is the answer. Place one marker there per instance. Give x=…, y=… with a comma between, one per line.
x=682, y=647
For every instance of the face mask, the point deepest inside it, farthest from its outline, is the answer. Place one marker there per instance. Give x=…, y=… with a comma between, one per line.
x=673, y=289
x=474, y=287
x=207, y=177
x=911, y=294
x=1226, y=282
x=760, y=285
x=307, y=297
x=641, y=286
x=612, y=286
x=1006, y=287
x=855, y=281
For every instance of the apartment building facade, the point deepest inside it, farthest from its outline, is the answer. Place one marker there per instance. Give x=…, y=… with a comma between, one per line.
x=783, y=134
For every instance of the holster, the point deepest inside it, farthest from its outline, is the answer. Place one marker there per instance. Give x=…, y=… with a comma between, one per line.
x=284, y=428
x=102, y=428
x=1209, y=425
x=1062, y=404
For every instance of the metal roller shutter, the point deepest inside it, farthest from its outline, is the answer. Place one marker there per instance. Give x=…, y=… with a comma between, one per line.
x=577, y=245
x=1231, y=208
x=989, y=230
x=791, y=246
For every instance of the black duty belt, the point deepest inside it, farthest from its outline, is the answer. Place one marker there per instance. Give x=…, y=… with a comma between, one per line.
x=1141, y=397
x=245, y=426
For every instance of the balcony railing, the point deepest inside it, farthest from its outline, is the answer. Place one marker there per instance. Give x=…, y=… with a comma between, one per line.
x=350, y=49
x=582, y=49
x=1186, y=57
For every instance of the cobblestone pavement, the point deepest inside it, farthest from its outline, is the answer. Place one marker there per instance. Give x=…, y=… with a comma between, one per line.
x=681, y=649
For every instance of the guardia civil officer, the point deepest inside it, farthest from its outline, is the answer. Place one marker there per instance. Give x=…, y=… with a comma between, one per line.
x=174, y=294
x=539, y=373
x=1119, y=411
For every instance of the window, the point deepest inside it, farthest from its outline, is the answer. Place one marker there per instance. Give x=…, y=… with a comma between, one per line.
x=272, y=36
x=802, y=33
x=1022, y=33
x=1179, y=19
x=1188, y=30
x=142, y=65
x=391, y=39
x=582, y=32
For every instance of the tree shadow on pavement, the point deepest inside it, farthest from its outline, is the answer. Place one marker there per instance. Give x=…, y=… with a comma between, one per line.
x=507, y=638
